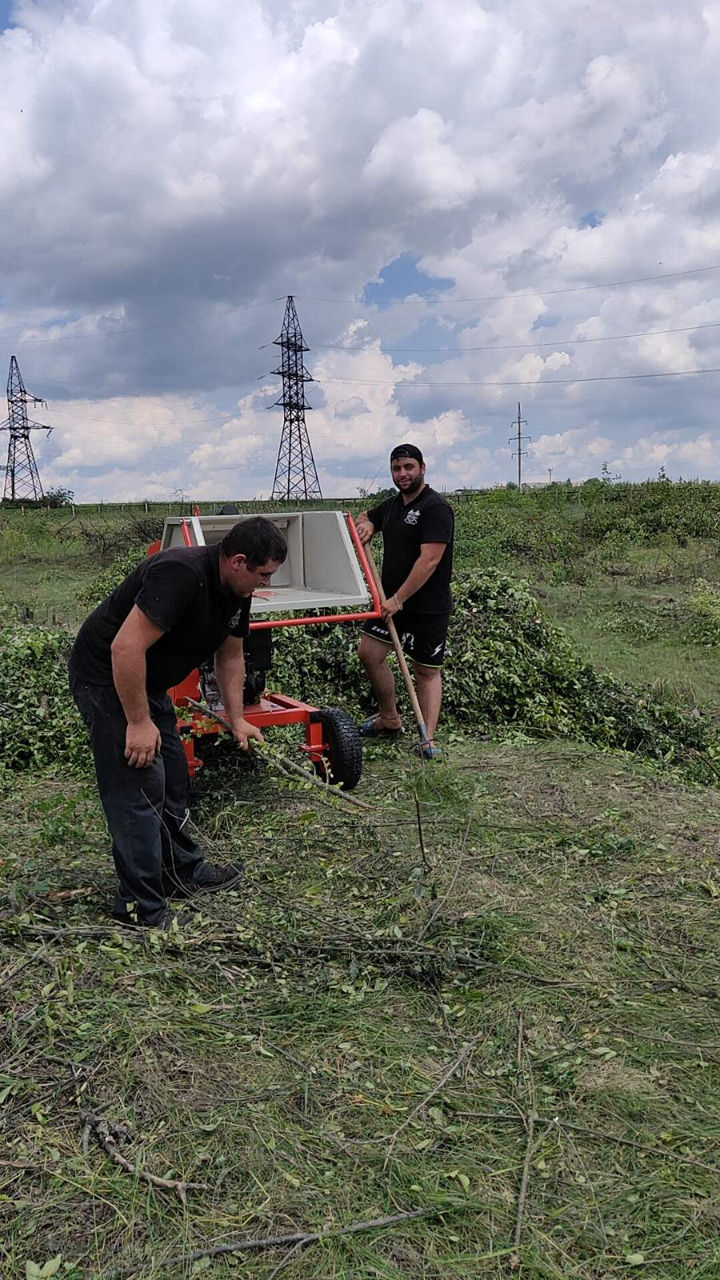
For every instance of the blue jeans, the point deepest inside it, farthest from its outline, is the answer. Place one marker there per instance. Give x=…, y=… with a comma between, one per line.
x=146, y=809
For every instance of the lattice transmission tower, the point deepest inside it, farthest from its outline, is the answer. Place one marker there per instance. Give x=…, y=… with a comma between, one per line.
x=295, y=473
x=518, y=440
x=21, y=473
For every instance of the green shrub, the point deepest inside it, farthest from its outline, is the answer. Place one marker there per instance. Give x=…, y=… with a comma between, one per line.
x=39, y=723
x=509, y=664
x=704, y=609
x=111, y=577
x=640, y=622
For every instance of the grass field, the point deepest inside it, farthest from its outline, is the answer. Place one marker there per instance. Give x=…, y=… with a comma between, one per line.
x=483, y=1014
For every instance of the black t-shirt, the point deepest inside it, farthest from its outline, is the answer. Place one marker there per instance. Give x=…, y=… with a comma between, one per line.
x=178, y=589
x=405, y=527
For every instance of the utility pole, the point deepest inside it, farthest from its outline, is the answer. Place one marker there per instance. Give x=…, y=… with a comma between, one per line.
x=517, y=440
x=21, y=474
x=295, y=473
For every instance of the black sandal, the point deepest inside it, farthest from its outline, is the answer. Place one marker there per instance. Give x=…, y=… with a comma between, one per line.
x=369, y=729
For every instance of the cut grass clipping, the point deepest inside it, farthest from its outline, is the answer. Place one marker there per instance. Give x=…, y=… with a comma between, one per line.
x=471, y=1037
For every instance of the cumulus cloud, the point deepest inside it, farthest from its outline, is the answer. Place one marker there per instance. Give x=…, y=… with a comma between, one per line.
x=171, y=172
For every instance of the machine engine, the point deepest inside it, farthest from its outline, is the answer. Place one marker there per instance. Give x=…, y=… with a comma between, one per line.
x=258, y=660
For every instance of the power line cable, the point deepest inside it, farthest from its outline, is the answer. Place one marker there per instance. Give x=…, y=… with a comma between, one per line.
x=520, y=346
x=252, y=306
x=75, y=412
x=529, y=382
x=115, y=422
x=502, y=297
x=403, y=382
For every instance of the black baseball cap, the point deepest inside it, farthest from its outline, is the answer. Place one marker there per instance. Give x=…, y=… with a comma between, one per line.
x=407, y=451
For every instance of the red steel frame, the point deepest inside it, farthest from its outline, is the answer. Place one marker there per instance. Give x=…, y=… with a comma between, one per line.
x=274, y=708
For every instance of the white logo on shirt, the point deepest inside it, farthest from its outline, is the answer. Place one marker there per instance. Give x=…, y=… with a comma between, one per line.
x=412, y=516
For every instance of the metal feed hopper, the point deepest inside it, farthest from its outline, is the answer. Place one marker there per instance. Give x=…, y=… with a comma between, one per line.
x=321, y=570
x=326, y=568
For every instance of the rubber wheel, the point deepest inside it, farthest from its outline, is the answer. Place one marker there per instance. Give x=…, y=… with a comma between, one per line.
x=344, y=748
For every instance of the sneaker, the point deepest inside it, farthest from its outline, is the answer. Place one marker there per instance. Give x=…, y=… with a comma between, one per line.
x=209, y=877
x=164, y=922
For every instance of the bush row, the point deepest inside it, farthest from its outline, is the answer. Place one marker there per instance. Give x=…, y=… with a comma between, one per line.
x=508, y=665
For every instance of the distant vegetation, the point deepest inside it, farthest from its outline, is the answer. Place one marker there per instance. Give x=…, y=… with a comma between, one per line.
x=51, y=498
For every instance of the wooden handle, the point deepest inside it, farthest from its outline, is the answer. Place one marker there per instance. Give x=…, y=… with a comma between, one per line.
x=402, y=661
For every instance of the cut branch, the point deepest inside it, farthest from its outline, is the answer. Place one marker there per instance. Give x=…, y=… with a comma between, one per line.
x=440, y=1085
x=300, y=1238
x=283, y=765
x=107, y=1135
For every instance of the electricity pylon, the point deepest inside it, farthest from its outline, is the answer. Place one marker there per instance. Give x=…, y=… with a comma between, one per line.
x=295, y=473
x=517, y=440
x=21, y=473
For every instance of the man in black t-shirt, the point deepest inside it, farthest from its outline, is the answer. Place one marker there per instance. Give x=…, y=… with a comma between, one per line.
x=417, y=527
x=170, y=614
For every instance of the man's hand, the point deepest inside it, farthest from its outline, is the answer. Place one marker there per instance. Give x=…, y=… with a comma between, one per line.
x=243, y=731
x=142, y=744
x=390, y=607
x=365, y=529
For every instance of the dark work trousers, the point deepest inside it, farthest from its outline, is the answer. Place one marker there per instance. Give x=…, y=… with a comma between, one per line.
x=146, y=809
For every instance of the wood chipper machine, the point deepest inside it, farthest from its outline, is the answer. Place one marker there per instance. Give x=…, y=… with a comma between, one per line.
x=326, y=568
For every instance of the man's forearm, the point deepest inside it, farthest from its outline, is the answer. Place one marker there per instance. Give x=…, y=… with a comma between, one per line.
x=230, y=676
x=129, y=670
x=421, y=571
x=230, y=673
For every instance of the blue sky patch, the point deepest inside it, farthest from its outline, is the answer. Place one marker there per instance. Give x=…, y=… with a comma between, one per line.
x=426, y=343
x=592, y=218
x=546, y=321
x=401, y=277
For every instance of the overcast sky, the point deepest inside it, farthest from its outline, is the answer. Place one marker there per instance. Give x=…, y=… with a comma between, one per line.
x=474, y=204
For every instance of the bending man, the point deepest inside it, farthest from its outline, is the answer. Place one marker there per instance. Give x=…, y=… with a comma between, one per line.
x=417, y=527
x=167, y=617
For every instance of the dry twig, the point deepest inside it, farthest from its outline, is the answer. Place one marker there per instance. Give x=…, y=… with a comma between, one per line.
x=440, y=1085
x=439, y=905
x=107, y=1135
x=284, y=1262
x=522, y=1194
x=599, y=1135
x=297, y=1238
x=12, y=972
x=526, y=1085
x=421, y=838
x=705, y=759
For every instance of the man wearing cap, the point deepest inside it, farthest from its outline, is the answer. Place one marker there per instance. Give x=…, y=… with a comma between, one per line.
x=417, y=526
